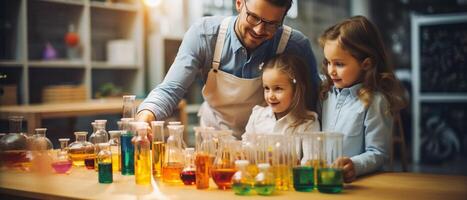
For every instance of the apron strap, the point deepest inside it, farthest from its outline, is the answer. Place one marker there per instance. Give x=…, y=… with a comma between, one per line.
x=284, y=39
x=220, y=43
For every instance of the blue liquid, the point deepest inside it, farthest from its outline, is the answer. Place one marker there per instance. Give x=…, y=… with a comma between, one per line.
x=105, y=173
x=303, y=178
x=127, y=155
x=330, y=180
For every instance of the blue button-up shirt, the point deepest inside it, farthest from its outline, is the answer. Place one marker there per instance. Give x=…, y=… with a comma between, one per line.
x=367, y=131
x=196, y=54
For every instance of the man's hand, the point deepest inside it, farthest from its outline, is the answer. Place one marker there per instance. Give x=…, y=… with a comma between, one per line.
x=348, y=169
x=146, y=116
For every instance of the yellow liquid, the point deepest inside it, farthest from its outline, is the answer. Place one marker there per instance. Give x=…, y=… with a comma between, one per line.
x=116, y=162
x=143, y=166
x=78, y=158
x=252, y=169
x=158, y=152
x=283, y=177
x=171, y=172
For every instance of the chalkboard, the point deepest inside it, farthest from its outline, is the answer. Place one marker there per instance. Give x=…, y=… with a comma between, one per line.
x=443, y=57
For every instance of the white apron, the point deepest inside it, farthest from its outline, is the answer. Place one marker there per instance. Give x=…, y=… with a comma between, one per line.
x=229, y=99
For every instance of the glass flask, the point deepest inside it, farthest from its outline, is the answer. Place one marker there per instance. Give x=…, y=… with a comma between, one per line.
x=188, y=174
x=223, y=167
x=115, y=149
x=264, y=180
x=62, y=162
x=127, y=148
x=14, y=145
x=249, y=152
x=205, y=154
x=242, y=181
x=129, y=106
x=330, y=177
x=104, y=160
x=81, y=149
x=142, y=155
x=158, y=147
x=174, y=158
x=41, y=152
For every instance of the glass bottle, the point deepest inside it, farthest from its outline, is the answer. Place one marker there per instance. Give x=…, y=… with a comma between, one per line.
x=242, y=181
x=205, y=154
x=127, y=148
x=330, y=177
x=104, y=160
x=81, y=149
x=188, y=174
x=223, y=167
x=158, y=147
x=14, y=145
x=281, y=159
x=264, y=180
x=173, y=163
x=99, y=136
x=115, y=149
x=41, y=154
x=304, y=171
x=62, y=161
x=249, y=152
x=142, y=155
x=129, y=106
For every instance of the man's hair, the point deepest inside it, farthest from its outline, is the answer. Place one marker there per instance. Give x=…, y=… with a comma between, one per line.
x=281, y=3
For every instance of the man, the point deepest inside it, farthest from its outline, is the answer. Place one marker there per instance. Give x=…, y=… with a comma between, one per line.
x=228, y=53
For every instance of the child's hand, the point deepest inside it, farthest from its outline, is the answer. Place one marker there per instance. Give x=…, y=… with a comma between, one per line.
x=348, y=168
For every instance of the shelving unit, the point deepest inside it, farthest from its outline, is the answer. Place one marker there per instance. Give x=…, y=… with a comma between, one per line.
x=438, y=76
x=26, y=26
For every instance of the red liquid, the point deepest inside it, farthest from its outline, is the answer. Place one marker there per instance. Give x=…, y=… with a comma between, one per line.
x=223, y=177
x=61, y=166
x=188, y=177
x=13, y=157
x=89, y=162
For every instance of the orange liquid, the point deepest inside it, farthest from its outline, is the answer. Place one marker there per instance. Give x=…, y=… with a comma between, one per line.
x=223, y=177
x=171, y=172
x=203, y=164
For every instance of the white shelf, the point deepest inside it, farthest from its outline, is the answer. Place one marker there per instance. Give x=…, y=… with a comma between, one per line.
x=57, y=63
x=10, y=63
x=105, y=65
x=192, y=108
x=70, y=2
x=443, y=97
x=115, y=6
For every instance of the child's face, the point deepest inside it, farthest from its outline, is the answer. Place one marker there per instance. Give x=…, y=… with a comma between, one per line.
x=278, y=91
x=342, y=67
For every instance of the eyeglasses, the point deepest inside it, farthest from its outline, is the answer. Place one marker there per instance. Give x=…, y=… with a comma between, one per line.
x=255, y=20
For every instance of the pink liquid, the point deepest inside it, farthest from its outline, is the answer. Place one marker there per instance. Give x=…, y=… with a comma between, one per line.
x=62, y=166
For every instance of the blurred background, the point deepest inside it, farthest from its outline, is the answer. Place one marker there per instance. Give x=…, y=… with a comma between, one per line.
x=77, y=50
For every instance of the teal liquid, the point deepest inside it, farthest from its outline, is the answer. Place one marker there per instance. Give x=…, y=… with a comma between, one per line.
x=303, y=178
x=330, y=180
x=105, y=173
x=127, y=155
x=241, y=188
x=265, y=190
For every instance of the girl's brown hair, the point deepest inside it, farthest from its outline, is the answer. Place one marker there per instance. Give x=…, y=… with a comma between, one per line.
x=305, y=98
x=359, y=37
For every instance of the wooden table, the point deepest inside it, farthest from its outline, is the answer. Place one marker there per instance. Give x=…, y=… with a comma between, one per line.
x=82, y=184
x=34, y=113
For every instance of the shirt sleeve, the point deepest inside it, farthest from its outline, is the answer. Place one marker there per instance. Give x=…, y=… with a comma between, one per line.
x=250, y=126
x=378, y=125
x=164, y=98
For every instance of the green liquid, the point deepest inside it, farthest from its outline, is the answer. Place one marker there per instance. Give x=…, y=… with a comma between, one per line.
x=303, y=178
x=241, y=188
x=127, y=155
x=105, y=173
x=264, y=189
x=330, y=180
